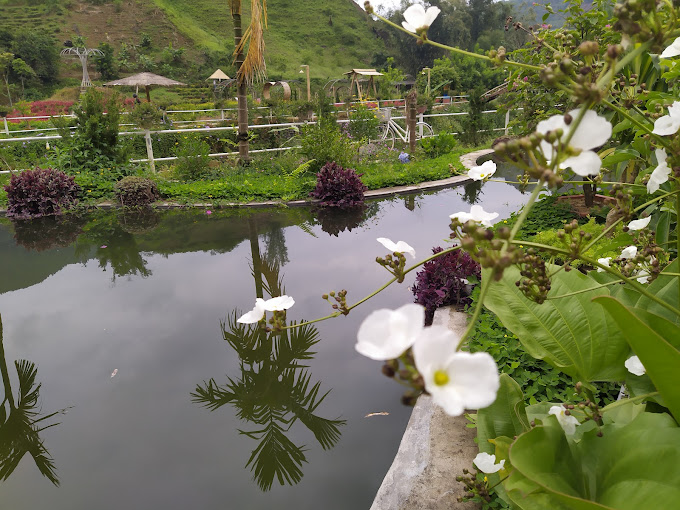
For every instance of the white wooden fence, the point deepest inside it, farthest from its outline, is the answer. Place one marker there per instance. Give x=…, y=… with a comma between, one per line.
x=207, y=129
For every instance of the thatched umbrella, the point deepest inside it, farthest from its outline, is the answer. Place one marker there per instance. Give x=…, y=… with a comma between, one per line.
x=144, y=80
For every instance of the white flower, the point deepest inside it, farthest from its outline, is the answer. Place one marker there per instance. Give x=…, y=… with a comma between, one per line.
x=486, y=170
x=262, y=306
x=387, y=334
x=642, y=276
x=399, y=247
x=47, y=145
x=660, y=173
x=673, y=50
x=278, y=304
x=605, y=262
x=635, y=366
x=567, y=422
x=629, y=252
x=417, y=18
x=456, y=380
x=487, y=463
x=639, y=224
x=592, y=132
x=476, y=214
x=668, y=124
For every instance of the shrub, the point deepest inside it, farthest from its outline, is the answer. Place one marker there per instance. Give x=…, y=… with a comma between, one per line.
x=193, y=156
x=443, y=281
x=363, y=124
x=136, y=191
x=325, y=143
x=435, y=146
x=40, y=192
x=338, y=187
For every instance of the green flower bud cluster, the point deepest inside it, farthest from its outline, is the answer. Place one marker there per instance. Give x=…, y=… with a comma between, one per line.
x=394, y=263
x=340, y=299
x=643, y=20
x=476, y=485
x=490, y=249
x=573, y=239
x=535, y=283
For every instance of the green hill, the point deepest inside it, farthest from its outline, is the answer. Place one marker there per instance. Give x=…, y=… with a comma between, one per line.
x=331, y=36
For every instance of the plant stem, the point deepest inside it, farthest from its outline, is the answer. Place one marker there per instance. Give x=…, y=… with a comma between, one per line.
x=659, y=139
x=627, y=401
x=584, y=290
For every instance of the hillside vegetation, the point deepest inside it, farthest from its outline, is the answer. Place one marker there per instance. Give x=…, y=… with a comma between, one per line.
x=331, y=36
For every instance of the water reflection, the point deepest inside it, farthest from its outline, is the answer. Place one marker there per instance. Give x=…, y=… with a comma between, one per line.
x=20, y=421
x=273, y=391
x=48, y=232
x=334, y=220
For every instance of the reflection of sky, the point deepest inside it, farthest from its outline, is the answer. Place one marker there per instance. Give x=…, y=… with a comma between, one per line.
x=137, y=441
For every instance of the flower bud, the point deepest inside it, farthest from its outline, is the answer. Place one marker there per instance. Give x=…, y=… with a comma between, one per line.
x=589, y=48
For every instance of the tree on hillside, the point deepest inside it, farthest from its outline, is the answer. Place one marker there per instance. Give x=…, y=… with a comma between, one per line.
x=5, y=68
x=23, y=71
x=105, y=64
x=250, y=64
x=40, y=51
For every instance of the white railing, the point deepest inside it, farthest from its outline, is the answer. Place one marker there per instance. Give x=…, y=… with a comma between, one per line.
x=149, y=141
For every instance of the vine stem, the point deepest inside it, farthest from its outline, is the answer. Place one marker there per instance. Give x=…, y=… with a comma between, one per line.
x=377, y=291
x=456, y=50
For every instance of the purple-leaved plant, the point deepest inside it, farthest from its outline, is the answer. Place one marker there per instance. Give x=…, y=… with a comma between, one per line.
x=443, y=281
x=40, y=192
x=338, y=187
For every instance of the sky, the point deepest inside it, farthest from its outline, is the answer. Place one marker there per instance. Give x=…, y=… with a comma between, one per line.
x=389, y=4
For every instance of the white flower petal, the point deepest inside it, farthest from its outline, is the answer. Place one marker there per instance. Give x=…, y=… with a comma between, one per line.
x=487, y=463
x=456, y=380
x=668, y=124
x=673, y=50
x=255, y=315
x=416, y=17
x=387, y=334
x=635, y=366
x=278, y=303
x=605, y=262
x=586, y=163
x=399, y=246
x=642, y=276
x=660, y=174
x=567, y=422
x=592, y=132
x=629, y=252
x=639, y=224
x=484, y=171
x=553, y=123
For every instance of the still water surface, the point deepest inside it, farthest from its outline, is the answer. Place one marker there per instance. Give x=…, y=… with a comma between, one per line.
x=147, y=298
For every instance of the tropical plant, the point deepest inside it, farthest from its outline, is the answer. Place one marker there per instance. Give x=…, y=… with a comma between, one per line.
x=20, y=420
x=273, y=392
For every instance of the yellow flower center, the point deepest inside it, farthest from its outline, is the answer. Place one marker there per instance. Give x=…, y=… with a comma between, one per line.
x=441, y=378
x=482, y=175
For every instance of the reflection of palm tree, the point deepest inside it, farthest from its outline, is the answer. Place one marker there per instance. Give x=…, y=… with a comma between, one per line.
x=19, y=429
x=273, y=392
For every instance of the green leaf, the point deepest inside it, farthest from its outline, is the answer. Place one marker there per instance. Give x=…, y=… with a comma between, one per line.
x=650, y=341
x=630, y=467
x=569, y=333
x=663, y=226
x=505, y=417
x=620, y=155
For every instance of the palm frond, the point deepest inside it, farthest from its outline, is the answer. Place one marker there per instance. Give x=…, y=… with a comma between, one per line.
x=254, y=67
x=306, y=227
x=276, y=457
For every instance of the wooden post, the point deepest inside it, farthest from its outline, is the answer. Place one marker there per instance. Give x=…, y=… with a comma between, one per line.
x=507, y=121
x=149, y=150
x=411, y=100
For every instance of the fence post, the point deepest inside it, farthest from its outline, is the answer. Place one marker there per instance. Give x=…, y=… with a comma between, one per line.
x=222, y=112
x=421, y=119
x=411, y=99
x=4, y=119
x=149, y=150
x=507, y=121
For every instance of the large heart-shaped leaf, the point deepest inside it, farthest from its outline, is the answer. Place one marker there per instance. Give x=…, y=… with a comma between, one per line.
x=569, y=333
x=630, y=467
x=505, y=417
x=654, y=340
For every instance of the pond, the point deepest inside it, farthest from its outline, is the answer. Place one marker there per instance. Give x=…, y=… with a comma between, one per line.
x=124, y=317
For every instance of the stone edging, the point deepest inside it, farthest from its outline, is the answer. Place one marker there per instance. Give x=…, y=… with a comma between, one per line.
x=467, y=160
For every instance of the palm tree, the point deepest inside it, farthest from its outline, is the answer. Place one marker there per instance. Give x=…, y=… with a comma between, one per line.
x=19, y=429
x=274, y=391
x=250, y=65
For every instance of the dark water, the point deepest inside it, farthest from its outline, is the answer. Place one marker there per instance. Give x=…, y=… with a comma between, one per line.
x=147, y=297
